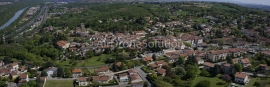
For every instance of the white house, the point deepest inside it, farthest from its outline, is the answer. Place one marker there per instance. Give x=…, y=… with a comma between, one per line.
x=82, y=81
x=123, y=77
x=50, y=71
x=24, y=78
x=76, y=72
x=240, y=77
x=200, y=60
x=14, y=66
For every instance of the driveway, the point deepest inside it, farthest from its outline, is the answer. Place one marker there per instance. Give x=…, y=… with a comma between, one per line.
x=143, y=75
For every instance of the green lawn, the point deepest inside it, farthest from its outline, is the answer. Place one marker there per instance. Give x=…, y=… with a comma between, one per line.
x=182, y=12
x=93, y=61
x=201, y=20
x=213, y=80
x=59, y=83
x=219, y=6
x=264, y=82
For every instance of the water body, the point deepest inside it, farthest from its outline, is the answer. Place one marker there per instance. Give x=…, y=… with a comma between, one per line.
x=16, y=16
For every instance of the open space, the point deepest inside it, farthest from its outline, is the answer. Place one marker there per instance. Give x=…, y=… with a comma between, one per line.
x=59, y=83
x=93, y=61
x=264, y=82
x=213, y=80
x=219, y=6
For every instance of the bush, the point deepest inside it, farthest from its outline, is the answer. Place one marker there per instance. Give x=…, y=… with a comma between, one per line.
x=256, y=84
x=221, y=83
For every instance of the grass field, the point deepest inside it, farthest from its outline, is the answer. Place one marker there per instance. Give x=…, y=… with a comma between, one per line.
x=93, y=61
x=201, y=20
x=213, y=80
x=182, y=12
x=219, y=6
x=59, y=83
x=264, y=82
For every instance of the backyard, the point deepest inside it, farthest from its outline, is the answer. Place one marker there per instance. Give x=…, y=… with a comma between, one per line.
x=59, y=83
x=93, y=61
x=264, y=82
x=214, y=81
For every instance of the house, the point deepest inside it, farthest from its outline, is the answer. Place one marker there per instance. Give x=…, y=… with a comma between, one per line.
x=23, y=78
x=263, y=68
x=251, y=33
x=236, y=52
x=14, y=66
x=135, y=78
x=161, y=71
x=200, y=60
x=245, y=62
x=147, y=59
x=193, y=40
x=1, y=63
x=76, y=72
x=101, y=79
x=23, y=69
x=123, y=77
x=131, y=71
x=51, y=71
x=208, y=66
x=266, y=53
x=118, y=64
x=235, y=61
x=227, y=68
x=240, y=77
x=4, y=72
x=104, y=69
x=82, y=81
x=62, y=44
x=172, y=57
x=215, y=55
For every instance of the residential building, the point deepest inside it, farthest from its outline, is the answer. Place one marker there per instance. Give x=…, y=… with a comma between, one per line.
x=147, y=59
x=161, y=71
x=236, y=52
x=51, y=71
x=123, y=77
x=63, y=44
x=264, y=68
x=76, y=72
x=215, y=55
x=82, y=81
x=240, y=77
x=135, y=78
x=104, y=69
x=101, y=79
x=43, y=79
x=24, y=78
x=245, y=62
x=266, y=53
x=227, y=68
x=14, y=66
x=200, y=60
x=1, y=63
x=208, y=66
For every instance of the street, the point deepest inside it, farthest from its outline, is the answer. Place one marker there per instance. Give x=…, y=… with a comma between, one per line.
x=143, y=75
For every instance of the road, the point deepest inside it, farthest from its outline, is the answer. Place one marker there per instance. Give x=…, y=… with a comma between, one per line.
x=143, y=75
x=259, y=75
x=42, y=10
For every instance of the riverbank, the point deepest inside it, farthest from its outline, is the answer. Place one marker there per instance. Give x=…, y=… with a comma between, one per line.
x=15, y=17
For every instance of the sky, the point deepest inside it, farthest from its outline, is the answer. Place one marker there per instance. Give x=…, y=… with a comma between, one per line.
x=263, y=2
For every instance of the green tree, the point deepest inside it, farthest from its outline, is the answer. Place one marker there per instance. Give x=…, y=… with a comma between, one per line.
x=89, y=54
x=180, y=71
x=181, y=60
x=203, y=83
x=191, y=71
x=68, y=72
x=7, y=60
x=145, y=84
x=216, y=70
x=229, y=60
x=238, y=67
x=204, y=72
x=43, y=74
x=60, y=72
x=154, y=57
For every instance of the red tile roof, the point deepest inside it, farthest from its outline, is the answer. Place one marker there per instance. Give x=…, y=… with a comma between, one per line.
x=23, y=76
x=14, y=64
x=122, y=74
x=118, y=64
x=82, y=79
x=100, y=78
x=161, y=71
x=209, y=64
x=76, y=70
x=148, y=58
x=245, y=60
x=61, y=43
x=240, y=75
x=102, y=69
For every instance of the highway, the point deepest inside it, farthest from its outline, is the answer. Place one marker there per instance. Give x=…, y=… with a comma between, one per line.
x=42, y=10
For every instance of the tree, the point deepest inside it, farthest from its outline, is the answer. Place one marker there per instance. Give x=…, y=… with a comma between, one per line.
x=192, y=60
x=255, y=74
x=23, y=62
x=204, y=72
x=145, y=84
x=191, y=71
x=216, y=70
x=7, y=60
x=154, y=57
x=44, y=74
x=180, y=71
x=67, y=73
x=203, y=83
x=60, y=72
x=229, y=60
x=238, y=67
x=226, y=78
x=181, y=60
x=89, y=53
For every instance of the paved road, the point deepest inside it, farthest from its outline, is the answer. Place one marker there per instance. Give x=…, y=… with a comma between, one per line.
x=29, y=23
x=259, y=75
x=143, y=75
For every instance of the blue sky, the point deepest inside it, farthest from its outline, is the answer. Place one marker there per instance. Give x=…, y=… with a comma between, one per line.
x=264, y=2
